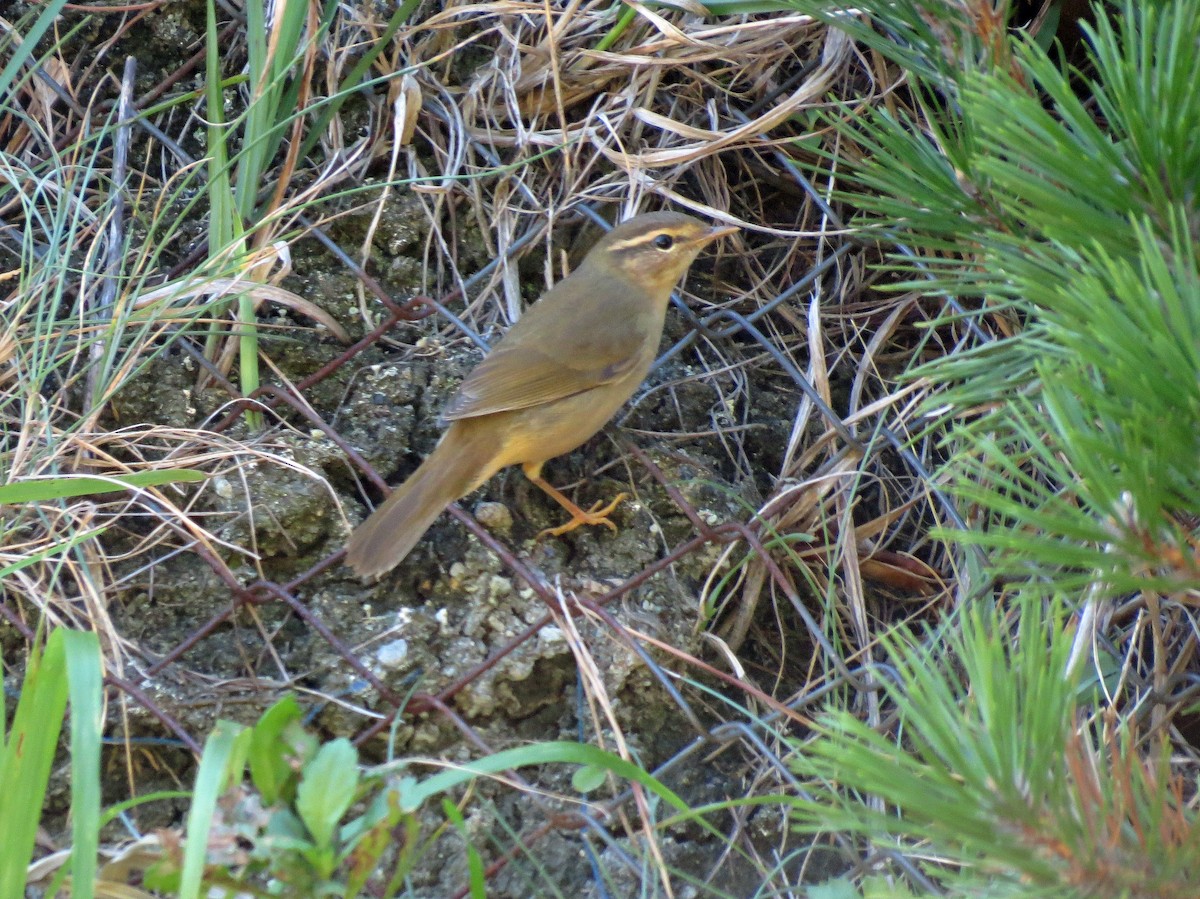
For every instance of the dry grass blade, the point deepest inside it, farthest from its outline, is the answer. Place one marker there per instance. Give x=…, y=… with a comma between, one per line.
x=218, y=288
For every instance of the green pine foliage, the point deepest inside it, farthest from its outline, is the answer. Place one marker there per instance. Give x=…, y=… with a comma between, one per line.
x=1056, y=206
x=1063, y=201
x=992, y=777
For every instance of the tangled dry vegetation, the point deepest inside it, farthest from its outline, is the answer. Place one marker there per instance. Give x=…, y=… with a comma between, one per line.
x=499, y=130
x=782, y=470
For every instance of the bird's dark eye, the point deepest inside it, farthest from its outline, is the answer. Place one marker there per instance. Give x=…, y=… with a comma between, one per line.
x=664, y=241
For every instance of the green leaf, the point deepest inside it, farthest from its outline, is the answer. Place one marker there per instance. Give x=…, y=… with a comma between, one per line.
x=85, y=685
x=26, y=758
x=327, y=789
x=286, y=829
x=588, y=778
x=839, y=888
x=271, y=755
x=20, y=52
x=476, y=875
x=219, y=749
x=43, y=489
x=414, y=793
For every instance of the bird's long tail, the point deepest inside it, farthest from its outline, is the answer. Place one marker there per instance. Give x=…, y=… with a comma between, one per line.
x=459, y=463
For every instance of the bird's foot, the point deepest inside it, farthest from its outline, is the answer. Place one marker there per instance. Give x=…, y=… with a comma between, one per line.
x=594, y=515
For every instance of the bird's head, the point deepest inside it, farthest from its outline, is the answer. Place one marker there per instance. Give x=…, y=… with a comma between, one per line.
x=653, y=250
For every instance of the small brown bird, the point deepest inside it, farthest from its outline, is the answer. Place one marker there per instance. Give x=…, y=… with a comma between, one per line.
x=558, y=375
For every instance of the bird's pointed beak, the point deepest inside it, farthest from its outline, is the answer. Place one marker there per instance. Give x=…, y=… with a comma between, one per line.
x=718, y=231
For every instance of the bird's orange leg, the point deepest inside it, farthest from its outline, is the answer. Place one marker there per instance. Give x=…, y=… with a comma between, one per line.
x=594, y=515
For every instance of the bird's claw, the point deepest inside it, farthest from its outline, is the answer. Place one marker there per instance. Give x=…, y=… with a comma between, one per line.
x=594, y=515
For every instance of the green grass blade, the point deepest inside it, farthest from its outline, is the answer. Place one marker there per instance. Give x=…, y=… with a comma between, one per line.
x=85, y=681
x=219, y=749
x=40, y=490
x=29, y=41
x=26, y=759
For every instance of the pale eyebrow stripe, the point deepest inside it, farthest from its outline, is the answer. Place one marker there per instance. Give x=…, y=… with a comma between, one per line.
x=630, y=242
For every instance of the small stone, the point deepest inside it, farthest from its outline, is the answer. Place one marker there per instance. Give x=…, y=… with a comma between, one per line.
x=494, y=516
x=499, y=587
x=392, y=655
x=221, y=485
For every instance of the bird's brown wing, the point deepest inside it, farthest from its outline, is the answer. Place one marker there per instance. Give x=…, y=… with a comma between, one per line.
x=520, y=376
x=586, y=332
